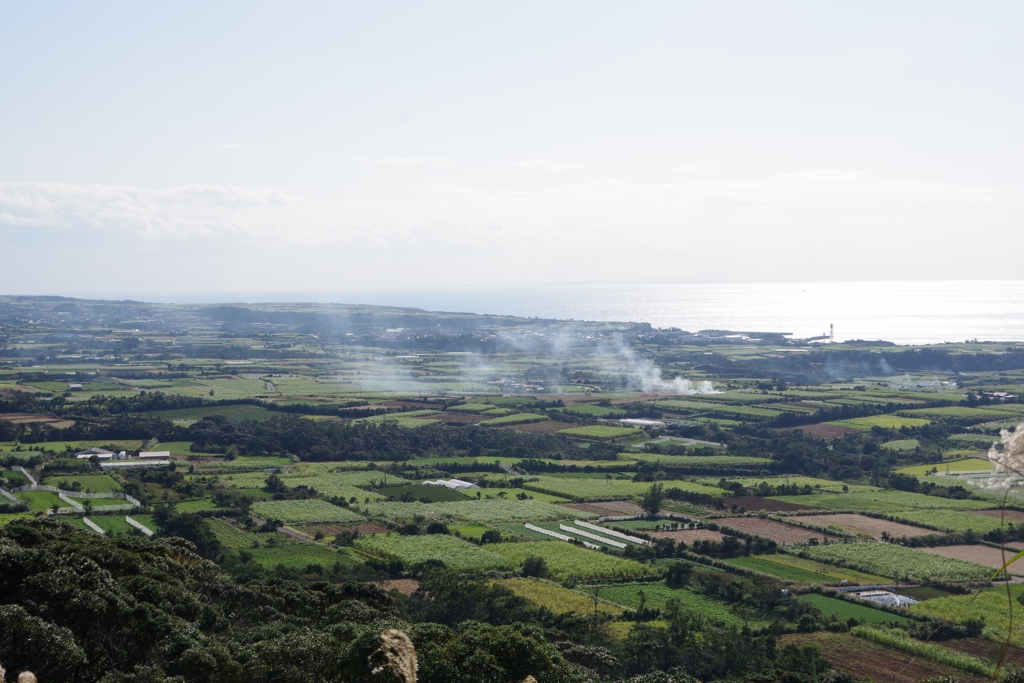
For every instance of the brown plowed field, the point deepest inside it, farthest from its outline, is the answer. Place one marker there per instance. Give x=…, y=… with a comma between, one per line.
x=985, y=649
x=592, y=508
x=981, y=554
x=21, y=418
x=549, y=427
x=403, y=586
x=776, y=531
x=1015, y=516
x=824, y=431
x=877, y=662
x=687, y=535
x=415, y=404
x=622, y=507
x=856, y=524
x=753, y=504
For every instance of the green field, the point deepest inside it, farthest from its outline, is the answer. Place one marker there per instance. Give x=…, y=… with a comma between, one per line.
x=607, y=489
x=570, y=562
x=959, y=414
x=297, y=556
x=8, y=517
x=195, y=505
x=19, y=455
x=304, y=511
x=899, y=562
x=433, y=494
x=700, y=462
x=981, y=441
x=408, y=512
x=883, y=421
x=509, y=511
x=397, y=417
x=91, y=483
x=901, y=445
x=514, y=419
x=990, y=606
x=883, y=501
x=455, y=553
x=951, y=520
x=598, y=411
x=229, y=535
x=112, y=524
x=472, y=408
x=557, y=598
x=691, y=602
x=801, y=570
x=601, y=432
x=966, y=465
x=472, y=530
x=844, y=610
x=40, y=501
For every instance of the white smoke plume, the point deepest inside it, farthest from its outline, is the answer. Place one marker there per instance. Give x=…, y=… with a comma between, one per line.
x=649, y=378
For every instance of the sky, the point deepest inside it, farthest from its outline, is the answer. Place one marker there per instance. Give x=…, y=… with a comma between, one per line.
x=320, y=146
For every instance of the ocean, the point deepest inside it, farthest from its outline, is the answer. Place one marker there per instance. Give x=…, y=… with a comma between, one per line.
x=903, y=312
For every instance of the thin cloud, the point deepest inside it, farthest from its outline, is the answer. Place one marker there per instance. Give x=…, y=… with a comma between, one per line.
x=234, y=147
x=553, y=165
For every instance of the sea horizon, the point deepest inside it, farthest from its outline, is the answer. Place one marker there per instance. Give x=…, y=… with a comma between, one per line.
x=900, y=311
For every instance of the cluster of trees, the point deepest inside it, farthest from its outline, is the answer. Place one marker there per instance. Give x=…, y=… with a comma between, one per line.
x=77, y=607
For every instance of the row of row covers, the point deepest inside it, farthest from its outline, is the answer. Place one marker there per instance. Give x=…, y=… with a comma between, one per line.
x=602, y=537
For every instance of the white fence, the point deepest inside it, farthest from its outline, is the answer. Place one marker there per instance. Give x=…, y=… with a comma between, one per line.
x=594, y=537
x=19, y=468
x=139, y=525
x=75, y=505
x=9, y=496
x=560, y=537
x=92, y=525
x=612, y=532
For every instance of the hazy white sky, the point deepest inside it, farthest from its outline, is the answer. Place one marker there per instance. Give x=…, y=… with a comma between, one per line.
x=254, y=146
